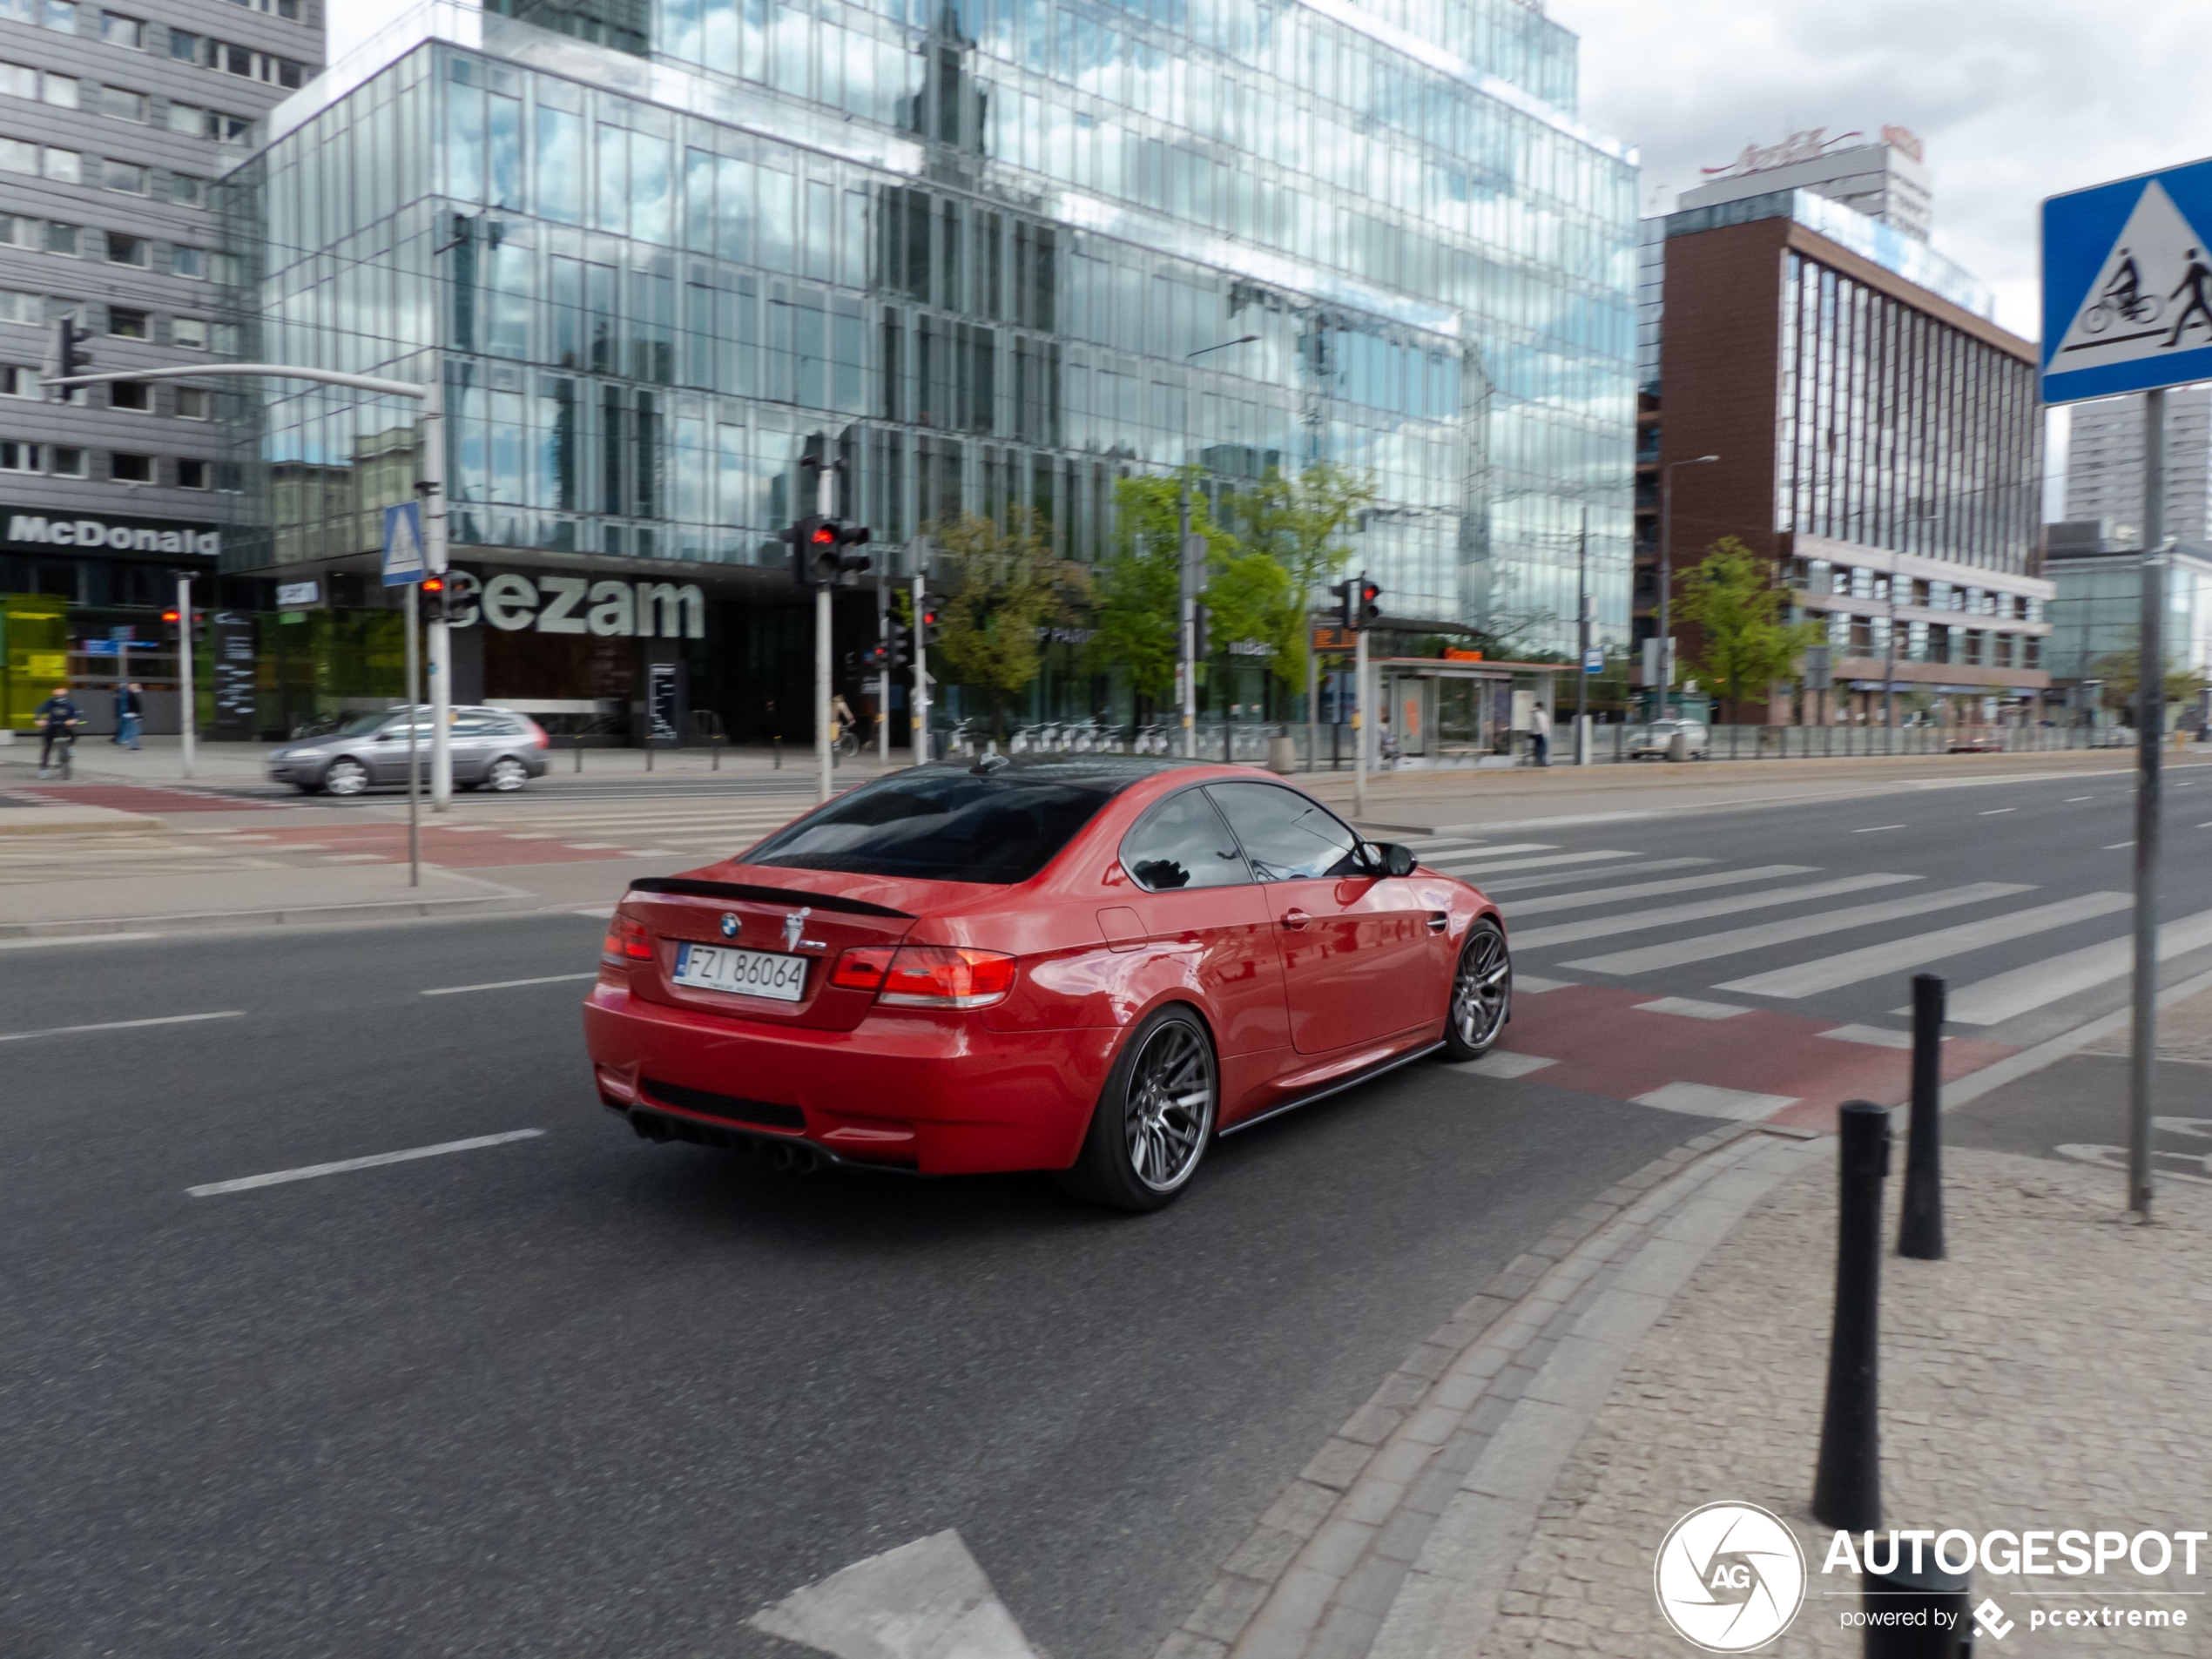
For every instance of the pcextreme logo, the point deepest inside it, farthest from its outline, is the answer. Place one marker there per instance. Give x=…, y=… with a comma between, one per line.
x=1729, y=1577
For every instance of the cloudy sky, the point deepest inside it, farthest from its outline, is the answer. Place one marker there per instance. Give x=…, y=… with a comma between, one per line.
x=2016, y=99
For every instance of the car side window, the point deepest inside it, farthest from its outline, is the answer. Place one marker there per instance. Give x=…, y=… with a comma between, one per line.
x=1286, y=836
x=1182, y=845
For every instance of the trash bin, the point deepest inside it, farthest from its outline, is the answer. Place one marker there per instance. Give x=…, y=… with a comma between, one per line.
x=1282, y=755
x=1678, y=747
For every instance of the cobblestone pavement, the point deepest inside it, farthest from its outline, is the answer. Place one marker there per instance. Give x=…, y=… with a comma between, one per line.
x=2048, y=1374
x=2184, y=1033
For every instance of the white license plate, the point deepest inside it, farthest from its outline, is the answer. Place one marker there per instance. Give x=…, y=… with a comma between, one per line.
x=744, y=972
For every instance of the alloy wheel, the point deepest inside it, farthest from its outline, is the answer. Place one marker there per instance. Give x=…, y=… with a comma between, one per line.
x=346, y=777
x=1481, y=989
x=507, y=774
x=1170, y=1107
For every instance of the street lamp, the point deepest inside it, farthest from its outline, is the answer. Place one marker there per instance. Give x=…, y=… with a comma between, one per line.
x=1667, y=575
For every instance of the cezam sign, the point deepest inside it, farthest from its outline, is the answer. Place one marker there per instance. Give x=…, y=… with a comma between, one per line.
x=605, y=607
x=125, y=536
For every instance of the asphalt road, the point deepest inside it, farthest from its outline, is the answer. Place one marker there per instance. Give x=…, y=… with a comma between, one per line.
x=580, y=1394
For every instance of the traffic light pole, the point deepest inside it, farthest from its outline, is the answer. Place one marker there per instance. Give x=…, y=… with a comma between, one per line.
x=826, y=504
x=414, y=760
x=186, y=699
x=431, y=395
x=883, y=680
x=921, y=673
x=1363, y=725
x=1187, y=669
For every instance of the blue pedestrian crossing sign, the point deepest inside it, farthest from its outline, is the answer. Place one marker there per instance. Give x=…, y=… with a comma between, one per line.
x=2127, y=285
x=403, y=561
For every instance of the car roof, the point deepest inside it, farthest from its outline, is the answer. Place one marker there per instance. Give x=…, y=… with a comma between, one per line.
x=1112, y=772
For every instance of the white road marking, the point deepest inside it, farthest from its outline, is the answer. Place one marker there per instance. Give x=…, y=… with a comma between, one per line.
x=2002, y=996
x=652, y=853
x=1569, y=932
x=1691, y=1008
x=1709, y=1100
x=1529, y=883
x=2070, y=800
x=354, y=858
x=1871, y=828
x=1535, y=985
x=603, y=912
x=72, y=939
x=1874, y=1036
x=1652, y=889
x=1704, y=947
x=508, y=984
x=1476, y=871
x=120, y=1025
x=1501, y=1064
x=1451, y=860
x=1995, y=811
x=1830, y=973
x=591, y=847
x=308, y=1172
x=927, y=1600
x=2114, y=847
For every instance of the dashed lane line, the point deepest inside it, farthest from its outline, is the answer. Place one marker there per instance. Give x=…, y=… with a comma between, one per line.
x=308, y=1172
x=508, y=984
x=120, y=1025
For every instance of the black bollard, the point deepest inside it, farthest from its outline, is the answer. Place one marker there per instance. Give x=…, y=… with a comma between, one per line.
x=1917, y=1615
x=577, y=742
x=649, y=752
x=1919, y=1229
x=1847, y=1486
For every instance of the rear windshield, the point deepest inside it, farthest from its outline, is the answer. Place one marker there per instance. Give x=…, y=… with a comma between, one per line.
x=947, y=825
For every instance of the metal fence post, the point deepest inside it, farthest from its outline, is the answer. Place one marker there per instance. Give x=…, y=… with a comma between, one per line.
x=1919, y=1232
x=1847, y=1484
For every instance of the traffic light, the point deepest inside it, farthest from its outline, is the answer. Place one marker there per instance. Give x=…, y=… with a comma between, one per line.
x=433, y=599
x=1347, y=608
x=1369, y=610
x=1198, y=619
x=925, y=633
x=67, y=356
x=884, y=656
x=171, y=632
x=820, y=550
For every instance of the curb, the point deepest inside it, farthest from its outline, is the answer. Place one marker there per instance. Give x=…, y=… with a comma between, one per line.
x=1397, y=1538
x=506, y=898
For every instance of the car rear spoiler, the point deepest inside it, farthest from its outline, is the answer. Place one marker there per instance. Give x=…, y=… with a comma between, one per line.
x=687, y=887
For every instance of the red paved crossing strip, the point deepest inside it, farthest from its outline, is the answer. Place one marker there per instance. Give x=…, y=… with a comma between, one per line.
x=1757, y=1052
x=141, y=798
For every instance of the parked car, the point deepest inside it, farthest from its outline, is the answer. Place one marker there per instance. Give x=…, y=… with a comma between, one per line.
x=1977, y=743
x=1657, y=740
x=492, y=748
x=1090, y=964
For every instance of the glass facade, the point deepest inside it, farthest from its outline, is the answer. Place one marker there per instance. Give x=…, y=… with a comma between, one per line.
x=1897, y=430
x=991, y=256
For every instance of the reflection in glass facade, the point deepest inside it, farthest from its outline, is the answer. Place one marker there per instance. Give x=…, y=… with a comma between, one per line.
x=976, y=251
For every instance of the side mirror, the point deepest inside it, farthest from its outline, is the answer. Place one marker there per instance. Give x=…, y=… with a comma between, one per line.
x=1387, y=857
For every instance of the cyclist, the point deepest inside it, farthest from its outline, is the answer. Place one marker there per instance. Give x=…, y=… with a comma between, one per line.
x=57, y=717
x=2121, y=291
x=842, y=721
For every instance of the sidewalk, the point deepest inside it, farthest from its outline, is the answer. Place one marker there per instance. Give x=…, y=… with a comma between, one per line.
x=1504, y=1494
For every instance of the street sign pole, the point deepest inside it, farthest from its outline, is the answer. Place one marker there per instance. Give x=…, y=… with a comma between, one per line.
x=413, y=761
x=1362, y=722
x=883, y=677
x=1582, y=643
x=2128, y=307
x=2150, y=737
x=922, y=674
x=185, y=694
x=826, y=504
x=433, y=488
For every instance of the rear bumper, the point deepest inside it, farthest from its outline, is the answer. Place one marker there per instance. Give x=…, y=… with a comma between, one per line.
x=933, y=1095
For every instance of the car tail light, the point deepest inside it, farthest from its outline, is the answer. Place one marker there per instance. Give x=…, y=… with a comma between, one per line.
x=945, y=976
x=862, y=967
x=627, y=943
x=538, y=739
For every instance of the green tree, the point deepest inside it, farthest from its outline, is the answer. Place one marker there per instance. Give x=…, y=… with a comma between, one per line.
x=1301, y=521
x=1733, y=599
x=1004, y=587
x=1137, y=619
x=2123, y=673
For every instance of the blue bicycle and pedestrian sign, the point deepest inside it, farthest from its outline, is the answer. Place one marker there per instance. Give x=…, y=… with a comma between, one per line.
x=403, y=557
x=2127, y=285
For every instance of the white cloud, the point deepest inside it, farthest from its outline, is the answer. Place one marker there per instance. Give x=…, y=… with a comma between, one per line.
x=353, y=21
x=2016, y=99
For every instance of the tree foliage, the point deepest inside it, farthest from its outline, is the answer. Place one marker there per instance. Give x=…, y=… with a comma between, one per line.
x=1004, y=587
x=1138, y=618
x=1733, y=599
x=2123, y=673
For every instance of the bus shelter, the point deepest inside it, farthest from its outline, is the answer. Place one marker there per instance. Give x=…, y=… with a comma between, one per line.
x=1447, y=712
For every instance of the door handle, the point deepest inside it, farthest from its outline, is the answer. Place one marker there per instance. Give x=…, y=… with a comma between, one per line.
x=1439, y=920
x=1295, y=919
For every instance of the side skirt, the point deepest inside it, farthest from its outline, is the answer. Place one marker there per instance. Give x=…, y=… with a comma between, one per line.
x=1338, y=1088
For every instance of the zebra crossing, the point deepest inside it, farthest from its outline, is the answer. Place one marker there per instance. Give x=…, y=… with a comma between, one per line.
x=1822, y=951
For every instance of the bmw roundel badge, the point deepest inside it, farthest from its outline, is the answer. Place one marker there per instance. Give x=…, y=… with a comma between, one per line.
x=729, y=925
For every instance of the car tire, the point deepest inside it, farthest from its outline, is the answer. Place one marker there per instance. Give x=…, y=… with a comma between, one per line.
x=1481, y=994
x=345, y=777
x=506, y=775
x=1147, y=1137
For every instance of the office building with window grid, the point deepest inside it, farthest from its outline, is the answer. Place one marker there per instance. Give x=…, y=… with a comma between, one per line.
x=992, y=256
x=115, y=122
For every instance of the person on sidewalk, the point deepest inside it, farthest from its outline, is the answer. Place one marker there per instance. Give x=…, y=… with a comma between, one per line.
x=130, y=711
x=57, y=715
x=1386, y=748
x=1540, y=736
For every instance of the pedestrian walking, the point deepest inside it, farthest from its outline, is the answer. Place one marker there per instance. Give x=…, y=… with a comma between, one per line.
x=1540, y=736
x=57, y=716
x=129, y=713
x=1386, y=743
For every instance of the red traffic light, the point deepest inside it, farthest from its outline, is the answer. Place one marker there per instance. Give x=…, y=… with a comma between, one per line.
x=434, y=585
x=824, y=534
x=169, y=615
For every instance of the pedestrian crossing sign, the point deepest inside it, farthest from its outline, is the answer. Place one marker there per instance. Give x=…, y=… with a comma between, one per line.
x=403, y=561
x=2128, y=286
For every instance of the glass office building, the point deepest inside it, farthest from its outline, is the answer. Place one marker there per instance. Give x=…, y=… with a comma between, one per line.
x=992, y=254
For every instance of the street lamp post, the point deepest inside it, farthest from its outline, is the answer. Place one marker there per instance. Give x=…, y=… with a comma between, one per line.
x=1667, y=577
x=1191, y=572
